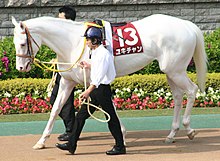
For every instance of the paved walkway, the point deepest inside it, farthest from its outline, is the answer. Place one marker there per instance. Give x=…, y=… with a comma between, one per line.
x=131, y=124
x=147, y=145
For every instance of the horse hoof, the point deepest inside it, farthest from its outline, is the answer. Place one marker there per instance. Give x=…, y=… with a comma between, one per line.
x=170, y=140
x=192, y=134
x=38, y=146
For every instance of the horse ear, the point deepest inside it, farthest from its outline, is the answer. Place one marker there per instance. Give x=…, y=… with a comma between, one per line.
x=14, y=21
x=21, y=25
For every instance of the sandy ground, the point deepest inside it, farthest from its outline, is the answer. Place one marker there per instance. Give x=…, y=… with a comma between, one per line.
x=141, y=146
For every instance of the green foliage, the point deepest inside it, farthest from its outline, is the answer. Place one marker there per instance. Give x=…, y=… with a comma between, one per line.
x=212, y=47
x=7, y=49
x=153, y=82
x=149, y=83
x=24, y=86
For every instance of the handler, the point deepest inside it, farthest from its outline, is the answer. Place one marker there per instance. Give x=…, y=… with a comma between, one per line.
x=68, y=111
x=102, y=74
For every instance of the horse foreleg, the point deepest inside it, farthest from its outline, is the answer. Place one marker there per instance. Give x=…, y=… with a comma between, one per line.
x=177, y=96
x=65, y=89
x=48, y=129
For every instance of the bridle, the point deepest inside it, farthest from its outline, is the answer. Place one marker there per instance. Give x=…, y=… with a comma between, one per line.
x=30, y=53
x=41, y=64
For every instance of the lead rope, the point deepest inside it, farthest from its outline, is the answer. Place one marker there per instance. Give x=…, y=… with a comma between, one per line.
x=88, y=104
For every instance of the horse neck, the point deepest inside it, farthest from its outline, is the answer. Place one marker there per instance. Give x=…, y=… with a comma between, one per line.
x=62, y=36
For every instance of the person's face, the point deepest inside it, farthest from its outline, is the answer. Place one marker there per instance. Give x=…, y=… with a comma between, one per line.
x=89, y=43
x=62, y=15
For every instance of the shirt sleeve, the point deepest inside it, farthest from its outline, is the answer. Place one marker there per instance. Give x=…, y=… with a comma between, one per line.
x=99, y=69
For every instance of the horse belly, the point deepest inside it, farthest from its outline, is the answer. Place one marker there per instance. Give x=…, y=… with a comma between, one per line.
x=127, y=64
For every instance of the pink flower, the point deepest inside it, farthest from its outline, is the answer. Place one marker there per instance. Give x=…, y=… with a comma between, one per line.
x=5, y=61
x=128, y=100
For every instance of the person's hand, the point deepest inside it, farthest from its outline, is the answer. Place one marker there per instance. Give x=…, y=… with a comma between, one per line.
x=83, y=96
x=84, y=64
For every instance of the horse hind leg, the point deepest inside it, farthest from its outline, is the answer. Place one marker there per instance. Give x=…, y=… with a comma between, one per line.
x=123, y=129
x=191, y=95
x=184, y=83
x=177, y=96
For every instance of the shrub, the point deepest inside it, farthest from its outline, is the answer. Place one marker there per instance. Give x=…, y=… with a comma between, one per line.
x=148, y=83
x=212, y=47
x=7, y=51
x=29, y=95
x=31, y=86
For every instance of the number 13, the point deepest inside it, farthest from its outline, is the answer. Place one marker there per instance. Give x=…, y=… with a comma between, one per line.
x=132, y=35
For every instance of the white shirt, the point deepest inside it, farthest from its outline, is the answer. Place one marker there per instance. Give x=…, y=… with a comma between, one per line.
x=102, y=66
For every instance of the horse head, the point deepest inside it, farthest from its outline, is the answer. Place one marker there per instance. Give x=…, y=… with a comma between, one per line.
x=26, y=45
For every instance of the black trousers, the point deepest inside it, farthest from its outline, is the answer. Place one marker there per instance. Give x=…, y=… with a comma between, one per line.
x=68, y=111
x=99, y=96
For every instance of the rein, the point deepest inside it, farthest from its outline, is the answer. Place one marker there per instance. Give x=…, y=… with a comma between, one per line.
x=41, y=64
x=88, y=104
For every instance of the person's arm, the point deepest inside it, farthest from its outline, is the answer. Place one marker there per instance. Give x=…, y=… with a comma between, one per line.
x=87, y=92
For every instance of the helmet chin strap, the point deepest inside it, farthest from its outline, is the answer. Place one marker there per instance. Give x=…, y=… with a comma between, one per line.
x=94, y=46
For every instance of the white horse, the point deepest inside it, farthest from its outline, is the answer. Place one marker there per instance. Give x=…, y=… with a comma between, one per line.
x=169, y=40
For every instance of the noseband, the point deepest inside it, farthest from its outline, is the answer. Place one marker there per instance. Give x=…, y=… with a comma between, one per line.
x=30, y=53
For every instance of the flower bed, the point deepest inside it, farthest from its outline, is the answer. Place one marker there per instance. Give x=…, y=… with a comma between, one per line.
x=124, y=99
x=26, y=104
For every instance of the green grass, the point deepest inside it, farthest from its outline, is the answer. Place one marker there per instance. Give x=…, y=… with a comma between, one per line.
x=126, y=113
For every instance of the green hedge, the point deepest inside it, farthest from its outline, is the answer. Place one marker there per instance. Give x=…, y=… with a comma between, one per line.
x=153, y=82
x=24, y=85
x=212, y=45
x=148, y=83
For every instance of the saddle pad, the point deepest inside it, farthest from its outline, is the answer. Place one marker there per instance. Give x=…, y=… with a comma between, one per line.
x=126, y=40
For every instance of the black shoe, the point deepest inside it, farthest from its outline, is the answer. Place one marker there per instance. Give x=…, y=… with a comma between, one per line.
x=66, y=146
x=63, y=137
x=116, y=151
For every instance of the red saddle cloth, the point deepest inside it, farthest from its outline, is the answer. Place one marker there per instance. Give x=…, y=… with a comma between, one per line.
x=126, y=40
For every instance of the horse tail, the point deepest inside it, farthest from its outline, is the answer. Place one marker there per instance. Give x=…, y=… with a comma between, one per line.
x=200, y=58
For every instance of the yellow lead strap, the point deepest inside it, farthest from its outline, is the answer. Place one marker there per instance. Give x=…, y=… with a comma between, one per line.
x=88, y=104
x=42, y=65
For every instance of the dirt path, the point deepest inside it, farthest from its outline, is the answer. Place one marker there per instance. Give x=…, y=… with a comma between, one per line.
x=141, y=146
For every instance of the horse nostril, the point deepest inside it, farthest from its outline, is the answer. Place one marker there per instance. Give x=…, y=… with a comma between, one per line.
x=21, y=68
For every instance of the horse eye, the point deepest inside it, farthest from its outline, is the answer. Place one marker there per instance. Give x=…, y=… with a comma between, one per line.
x=22, y=45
